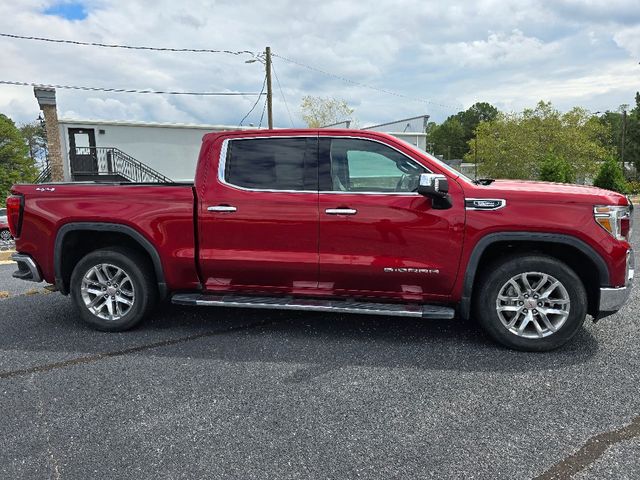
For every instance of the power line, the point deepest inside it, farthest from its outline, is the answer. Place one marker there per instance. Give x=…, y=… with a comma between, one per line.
x=129, y=47
x=264, y=83
x=282, y=93
x=360, y=84
x=126, y=90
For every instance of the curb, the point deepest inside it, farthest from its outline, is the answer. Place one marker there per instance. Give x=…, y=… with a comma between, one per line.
x=5, y=256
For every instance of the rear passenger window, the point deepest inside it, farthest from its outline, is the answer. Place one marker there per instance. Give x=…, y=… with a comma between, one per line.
x=272, y=163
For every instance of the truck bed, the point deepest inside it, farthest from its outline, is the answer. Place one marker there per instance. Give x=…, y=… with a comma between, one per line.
x=162, y=213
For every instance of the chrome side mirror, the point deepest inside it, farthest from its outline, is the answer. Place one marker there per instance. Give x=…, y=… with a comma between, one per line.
x=436, y=187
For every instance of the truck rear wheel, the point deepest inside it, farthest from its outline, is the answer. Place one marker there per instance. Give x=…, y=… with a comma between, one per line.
x=532, y=303
x=113, y=289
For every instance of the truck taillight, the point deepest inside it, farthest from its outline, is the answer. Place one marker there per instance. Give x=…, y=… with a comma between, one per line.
x=614, y=219
x=15, y=204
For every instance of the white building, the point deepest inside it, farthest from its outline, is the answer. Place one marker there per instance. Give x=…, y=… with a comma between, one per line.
x=411, y=130
x=111, y=148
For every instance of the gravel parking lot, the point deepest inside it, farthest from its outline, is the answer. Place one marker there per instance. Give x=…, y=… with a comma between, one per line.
x=212, y=393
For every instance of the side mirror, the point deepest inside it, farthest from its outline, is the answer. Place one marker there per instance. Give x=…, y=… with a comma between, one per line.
x=436, y=187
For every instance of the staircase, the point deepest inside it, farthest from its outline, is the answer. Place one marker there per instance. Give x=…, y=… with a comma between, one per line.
x=110, y=164
x=45, y=176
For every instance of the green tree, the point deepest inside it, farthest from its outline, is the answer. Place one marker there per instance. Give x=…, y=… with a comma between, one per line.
x=448, y=139
x=514, y=145
x=612, y=137
x=613, y=121
x=632, y=135
x=15, y=163
x=319, y=112
x=472, y=116
x=554, y=168
x=451, y=138
x=35, y=135
x=610, y=176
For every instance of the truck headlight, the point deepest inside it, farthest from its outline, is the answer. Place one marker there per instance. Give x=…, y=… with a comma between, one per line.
x=614, y=219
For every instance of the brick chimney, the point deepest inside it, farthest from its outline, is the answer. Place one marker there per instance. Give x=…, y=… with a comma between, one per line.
x=47, y=102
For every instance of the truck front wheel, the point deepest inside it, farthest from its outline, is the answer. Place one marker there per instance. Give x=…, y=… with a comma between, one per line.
x=113, y=289
x=532, y=303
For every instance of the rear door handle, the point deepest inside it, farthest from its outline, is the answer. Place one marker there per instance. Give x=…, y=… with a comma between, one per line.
x=341, y=211
x=222, y=208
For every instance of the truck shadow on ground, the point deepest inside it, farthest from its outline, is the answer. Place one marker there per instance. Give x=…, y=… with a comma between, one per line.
x=319, y=342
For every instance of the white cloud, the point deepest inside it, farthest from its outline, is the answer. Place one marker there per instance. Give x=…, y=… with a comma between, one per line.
x=611, y=80
x=496, y=50
x=629, y=39
x=512, y=52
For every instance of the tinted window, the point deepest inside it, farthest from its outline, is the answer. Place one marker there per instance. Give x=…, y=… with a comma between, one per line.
x=366, y=166
x=273, y=163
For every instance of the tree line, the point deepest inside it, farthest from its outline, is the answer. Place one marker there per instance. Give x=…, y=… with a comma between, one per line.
x=21, y=150
x=542, y=143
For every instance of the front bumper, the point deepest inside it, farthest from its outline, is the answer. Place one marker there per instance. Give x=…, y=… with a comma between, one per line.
x=27, y=268
x=612, y=299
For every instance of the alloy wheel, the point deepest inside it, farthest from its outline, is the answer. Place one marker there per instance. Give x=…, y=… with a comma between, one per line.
x=107, y=291
x=533, y=305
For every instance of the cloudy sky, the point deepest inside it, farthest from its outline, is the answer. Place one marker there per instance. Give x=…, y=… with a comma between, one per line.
x=439, y=56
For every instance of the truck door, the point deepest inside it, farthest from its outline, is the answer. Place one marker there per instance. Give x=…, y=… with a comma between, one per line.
x=377, y=237
x=258, y=220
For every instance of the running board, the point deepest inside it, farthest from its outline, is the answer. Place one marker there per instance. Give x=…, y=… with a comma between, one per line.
x=316, y=305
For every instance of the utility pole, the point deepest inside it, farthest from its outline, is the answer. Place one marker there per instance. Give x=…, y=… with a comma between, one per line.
x=267, y=54
x=475, y=155
x=624, y=131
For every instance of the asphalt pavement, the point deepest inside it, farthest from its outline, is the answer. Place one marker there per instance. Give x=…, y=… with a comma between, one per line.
x=224, y=393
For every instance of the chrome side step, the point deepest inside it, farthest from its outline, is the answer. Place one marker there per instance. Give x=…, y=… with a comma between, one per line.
x=316, y=305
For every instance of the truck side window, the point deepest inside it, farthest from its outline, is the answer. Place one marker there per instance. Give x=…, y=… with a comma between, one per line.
x=359, y=165
x=272, y=163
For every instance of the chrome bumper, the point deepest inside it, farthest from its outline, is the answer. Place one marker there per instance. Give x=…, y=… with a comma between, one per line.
x=612, y=299
x=27, y=268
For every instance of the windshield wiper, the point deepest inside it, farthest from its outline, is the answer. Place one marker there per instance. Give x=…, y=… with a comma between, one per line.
x=484, y=181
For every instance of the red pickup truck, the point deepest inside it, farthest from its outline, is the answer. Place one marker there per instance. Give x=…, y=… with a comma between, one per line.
x=335, y=221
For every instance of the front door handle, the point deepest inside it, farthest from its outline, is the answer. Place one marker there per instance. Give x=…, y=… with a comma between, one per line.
x=341, y=211
x=222, y=208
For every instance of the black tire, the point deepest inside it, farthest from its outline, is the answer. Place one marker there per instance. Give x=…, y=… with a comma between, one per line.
x=5, y=235
x=140, y=272
x=496, y=275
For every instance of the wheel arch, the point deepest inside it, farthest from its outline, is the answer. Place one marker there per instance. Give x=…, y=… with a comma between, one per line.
x=108, y=232
x=588, y=264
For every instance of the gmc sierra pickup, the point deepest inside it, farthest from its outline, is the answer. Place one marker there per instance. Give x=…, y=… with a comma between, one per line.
x=335, y=221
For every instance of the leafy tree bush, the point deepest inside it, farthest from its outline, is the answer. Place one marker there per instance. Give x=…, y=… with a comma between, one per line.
x=514, y=145
x=610, y=177
x=35, y=135
x=322, y=111
x=451, y=138
x=15, y=164
x=633, y=187
x=555, y=168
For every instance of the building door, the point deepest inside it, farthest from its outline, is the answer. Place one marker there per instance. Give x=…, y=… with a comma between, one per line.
x=82, y=151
